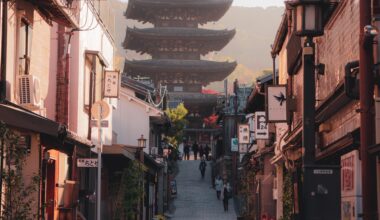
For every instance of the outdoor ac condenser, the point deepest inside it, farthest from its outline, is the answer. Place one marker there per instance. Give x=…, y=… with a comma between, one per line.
x=29, y=91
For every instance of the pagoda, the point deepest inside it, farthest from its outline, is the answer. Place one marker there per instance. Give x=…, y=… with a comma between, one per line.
x=176, y=44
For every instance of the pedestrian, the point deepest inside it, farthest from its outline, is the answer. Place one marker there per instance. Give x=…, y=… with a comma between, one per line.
x=202, y=167
x=195, y=150
x=207, y=151
x=201, y=151
x=218, y=186
x=186, y=150
x=226, y=195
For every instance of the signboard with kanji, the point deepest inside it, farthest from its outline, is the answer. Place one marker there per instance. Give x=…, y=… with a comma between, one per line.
x=243, y=134
x=87, y=162
x=111, y=84
x=261, y=126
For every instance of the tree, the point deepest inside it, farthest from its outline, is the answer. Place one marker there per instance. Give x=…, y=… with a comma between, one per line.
x=178, y=123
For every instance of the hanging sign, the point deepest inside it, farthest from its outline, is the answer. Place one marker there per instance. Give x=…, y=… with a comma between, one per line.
x=111, y=83
x=276, y=103
x=243, y=134
x=261, y=126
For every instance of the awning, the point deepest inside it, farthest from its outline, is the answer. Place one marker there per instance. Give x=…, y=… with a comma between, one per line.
x=117, y=149
x=15, y=116
x=53, y=134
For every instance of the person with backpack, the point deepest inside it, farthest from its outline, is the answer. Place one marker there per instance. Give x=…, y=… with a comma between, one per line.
x=202, y=167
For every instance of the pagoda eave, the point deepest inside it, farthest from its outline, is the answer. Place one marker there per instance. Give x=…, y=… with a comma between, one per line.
x=160, y=67
x=204, y=40
x=146, y=10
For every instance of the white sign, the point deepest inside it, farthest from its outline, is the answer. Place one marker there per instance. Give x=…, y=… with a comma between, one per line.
x=243, y=134
x=87, y=162
x=234, y=145
x=111, y=84
x=261, y=126
x=276, y=100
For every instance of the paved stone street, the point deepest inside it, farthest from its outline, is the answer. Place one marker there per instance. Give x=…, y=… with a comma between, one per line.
x=196, y=199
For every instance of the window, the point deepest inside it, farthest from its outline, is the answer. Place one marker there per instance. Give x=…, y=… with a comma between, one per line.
x=93, y=78
x=24, y=46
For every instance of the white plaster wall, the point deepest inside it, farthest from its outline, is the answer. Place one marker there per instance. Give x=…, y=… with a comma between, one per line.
x=131, y=119
x=94, y=38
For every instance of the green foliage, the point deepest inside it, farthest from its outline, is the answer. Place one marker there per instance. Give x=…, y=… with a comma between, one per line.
x=19, y=197
x=288, y=200
x=131, y=192
x=178, y=122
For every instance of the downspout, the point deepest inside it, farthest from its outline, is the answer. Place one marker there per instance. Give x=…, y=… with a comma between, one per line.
x=3, y=84
x=4, y=38
x=274, y=68
x=366, y=116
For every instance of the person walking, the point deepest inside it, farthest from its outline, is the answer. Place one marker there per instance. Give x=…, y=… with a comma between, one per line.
x=207, y=151
x=218, y=186
x=201, y=151
x=226, y=194
x=186, y=150
x=202, y=167
x=195, y=150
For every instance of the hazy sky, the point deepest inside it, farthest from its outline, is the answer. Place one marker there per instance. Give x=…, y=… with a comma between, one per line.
x=254, y=3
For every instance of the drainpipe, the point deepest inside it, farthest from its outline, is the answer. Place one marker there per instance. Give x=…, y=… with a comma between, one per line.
x=274, y=68
x=366, y=115
x=3, y=85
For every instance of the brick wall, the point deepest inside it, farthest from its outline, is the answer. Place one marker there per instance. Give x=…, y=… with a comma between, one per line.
x=338, y=46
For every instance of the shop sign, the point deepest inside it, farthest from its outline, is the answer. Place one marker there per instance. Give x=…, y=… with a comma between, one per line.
x=276, y=103
x=261, y=126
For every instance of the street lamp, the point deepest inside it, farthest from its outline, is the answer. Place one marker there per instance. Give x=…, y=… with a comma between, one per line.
x=320, y=183
x=309, y=18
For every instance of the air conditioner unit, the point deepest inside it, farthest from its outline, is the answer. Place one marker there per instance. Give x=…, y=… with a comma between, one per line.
x=29, y=91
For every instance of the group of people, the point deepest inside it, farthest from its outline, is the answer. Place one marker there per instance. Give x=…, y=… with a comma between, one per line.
x=203, y=150
x=223, y=191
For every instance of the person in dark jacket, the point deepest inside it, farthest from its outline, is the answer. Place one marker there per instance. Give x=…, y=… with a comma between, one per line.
x=202, y=167
x=195, y=150
x=226, y=195
x=186, y=150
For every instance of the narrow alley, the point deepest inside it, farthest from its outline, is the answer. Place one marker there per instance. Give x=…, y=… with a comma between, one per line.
x=196, y=199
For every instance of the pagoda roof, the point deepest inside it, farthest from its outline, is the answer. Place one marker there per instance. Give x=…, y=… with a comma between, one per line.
x=144, y=40
x=141, y=9
x=170, y=69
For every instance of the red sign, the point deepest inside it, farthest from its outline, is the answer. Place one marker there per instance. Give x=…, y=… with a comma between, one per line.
x=348, y=166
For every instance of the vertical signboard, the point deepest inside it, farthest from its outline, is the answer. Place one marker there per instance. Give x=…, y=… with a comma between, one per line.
x=111, y=84
x=243, y=134
x=261, y=126
x=276, y=103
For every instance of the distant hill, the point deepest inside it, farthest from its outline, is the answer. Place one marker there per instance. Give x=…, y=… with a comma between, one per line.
x=256, y=29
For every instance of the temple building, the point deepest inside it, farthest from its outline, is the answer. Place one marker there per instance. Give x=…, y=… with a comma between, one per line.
x=176, y=45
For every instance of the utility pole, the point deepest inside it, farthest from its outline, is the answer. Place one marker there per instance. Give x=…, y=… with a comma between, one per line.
x=234, y=154
x=366, y=115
